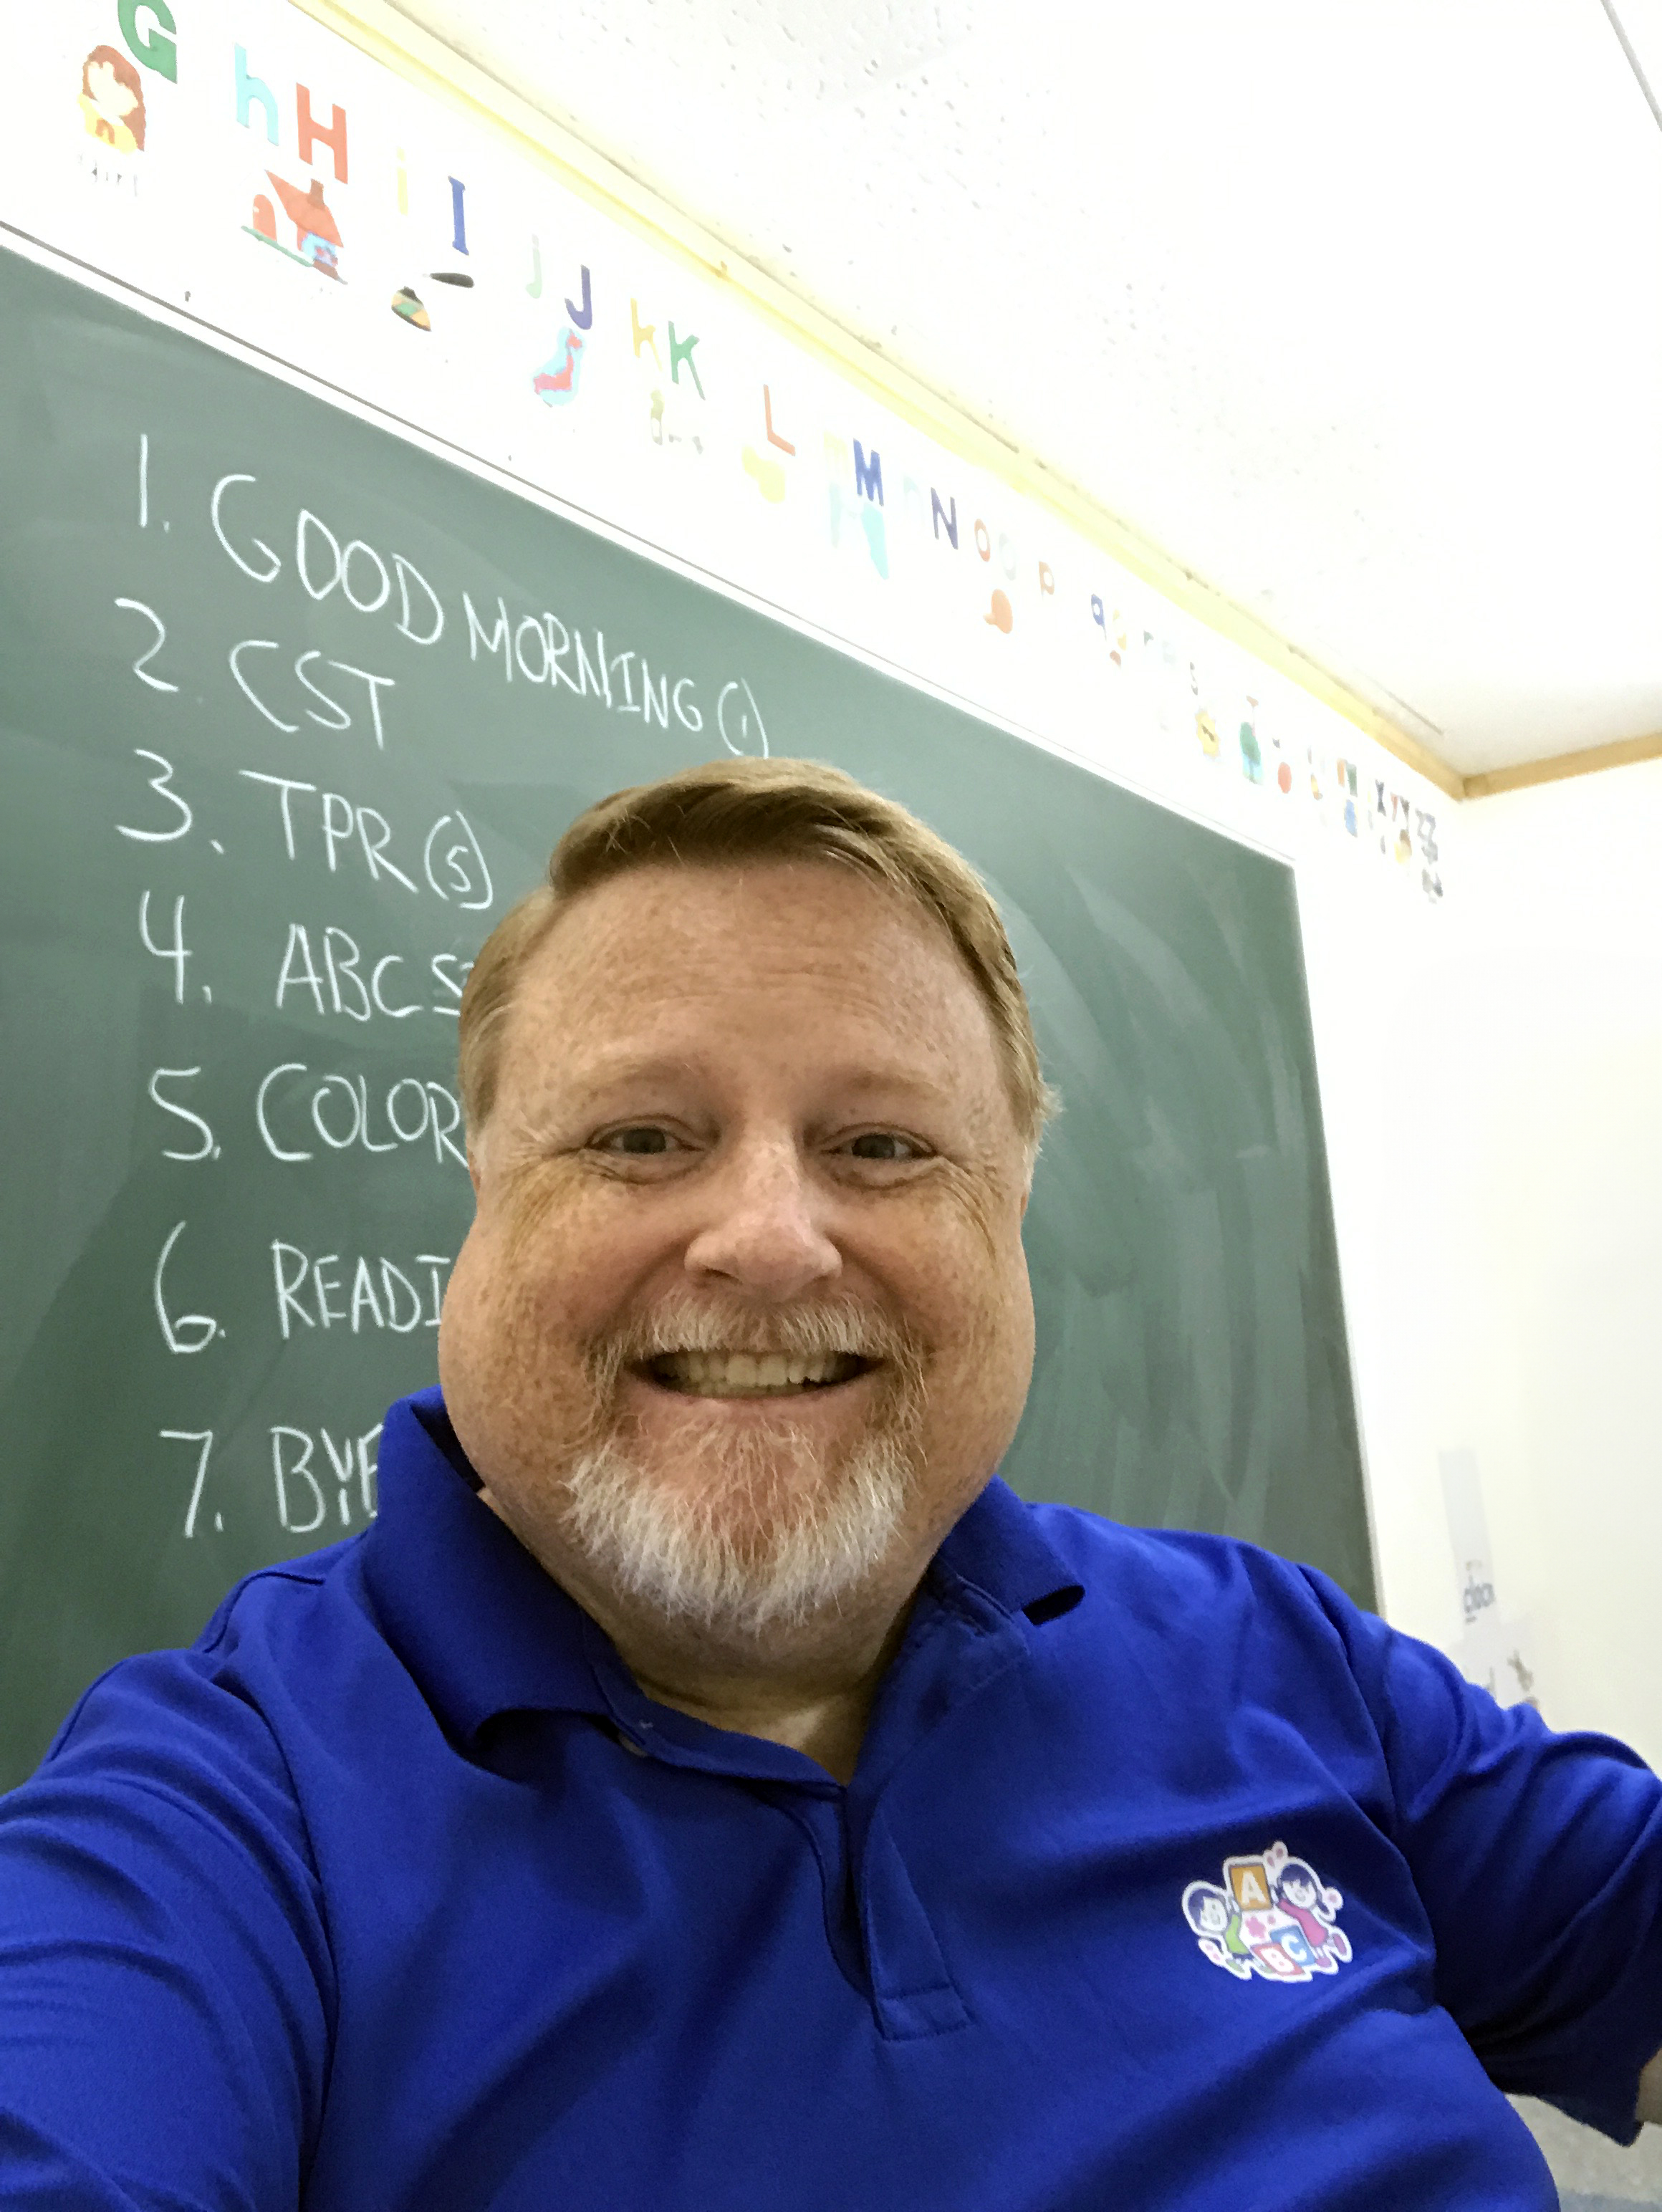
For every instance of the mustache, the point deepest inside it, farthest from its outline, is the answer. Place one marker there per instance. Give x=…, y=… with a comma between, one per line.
x=815, y=1328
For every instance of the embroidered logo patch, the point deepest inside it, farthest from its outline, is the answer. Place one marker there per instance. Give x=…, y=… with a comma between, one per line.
x=1272, y=1915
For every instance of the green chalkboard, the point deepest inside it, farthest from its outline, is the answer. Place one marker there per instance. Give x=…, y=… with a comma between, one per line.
x=253, y=825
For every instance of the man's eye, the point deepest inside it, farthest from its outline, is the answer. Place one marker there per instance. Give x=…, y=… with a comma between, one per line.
x=642, y=1142
x=885, y=1145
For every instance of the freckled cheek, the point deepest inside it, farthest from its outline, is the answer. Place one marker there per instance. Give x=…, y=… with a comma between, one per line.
x=573, y=1260
x=939, y=1268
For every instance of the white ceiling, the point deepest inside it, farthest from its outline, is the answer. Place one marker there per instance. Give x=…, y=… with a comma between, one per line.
x=1353, y=306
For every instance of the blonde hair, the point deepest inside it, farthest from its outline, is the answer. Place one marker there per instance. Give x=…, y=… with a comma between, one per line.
x=724, y=814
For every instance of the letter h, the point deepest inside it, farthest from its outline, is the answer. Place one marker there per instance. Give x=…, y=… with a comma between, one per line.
x=334, y=138
x=250, y=89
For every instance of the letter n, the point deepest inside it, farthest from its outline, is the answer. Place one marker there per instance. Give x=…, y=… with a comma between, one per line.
x=940, y=516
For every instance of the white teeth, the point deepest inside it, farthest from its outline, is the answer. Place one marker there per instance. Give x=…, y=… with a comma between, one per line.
x=749, y=1373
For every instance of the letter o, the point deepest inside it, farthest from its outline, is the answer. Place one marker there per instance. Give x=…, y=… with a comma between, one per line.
x=365, y=606
x=337, y=1144
x=1008, y=558
x=304, y=521
x=545, y=673
x=984, y=544
x=408, y=1136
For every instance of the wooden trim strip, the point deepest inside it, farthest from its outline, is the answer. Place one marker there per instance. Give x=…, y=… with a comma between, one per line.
x=380, y=30
x=1623, y=753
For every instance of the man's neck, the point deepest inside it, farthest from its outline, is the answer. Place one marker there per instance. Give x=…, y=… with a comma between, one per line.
x=812, y=1690
x=820, y=1709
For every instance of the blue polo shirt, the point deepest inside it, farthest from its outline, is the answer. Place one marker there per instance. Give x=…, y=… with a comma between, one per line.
x=1166, y=1878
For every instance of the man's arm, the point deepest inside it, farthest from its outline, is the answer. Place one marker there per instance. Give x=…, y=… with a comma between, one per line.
x=1538, y=1858
x=164, y=1982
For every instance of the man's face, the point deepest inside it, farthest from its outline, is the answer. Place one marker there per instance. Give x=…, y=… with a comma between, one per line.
x=743, y=1309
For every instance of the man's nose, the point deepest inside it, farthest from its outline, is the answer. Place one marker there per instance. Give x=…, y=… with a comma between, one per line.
x=764, y=1234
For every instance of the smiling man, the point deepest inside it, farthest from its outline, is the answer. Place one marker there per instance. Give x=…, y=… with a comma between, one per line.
x=707, y=1785
x=743, y=1325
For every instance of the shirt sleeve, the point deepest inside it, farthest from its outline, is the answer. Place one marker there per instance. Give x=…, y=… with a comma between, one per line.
x=1538, y=1859
x=166, y=1993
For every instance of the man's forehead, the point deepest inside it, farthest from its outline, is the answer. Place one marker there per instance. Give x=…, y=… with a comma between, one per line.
x=891, y=1070
x=658, y=928
x=805, y=884
x=662, y=970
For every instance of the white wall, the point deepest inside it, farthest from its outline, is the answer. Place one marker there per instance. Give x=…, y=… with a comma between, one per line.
x=1492, y=1081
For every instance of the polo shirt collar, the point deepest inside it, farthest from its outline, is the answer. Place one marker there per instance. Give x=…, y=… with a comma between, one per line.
x=999, y=1548
x=485, y=1630
x=481, y=1626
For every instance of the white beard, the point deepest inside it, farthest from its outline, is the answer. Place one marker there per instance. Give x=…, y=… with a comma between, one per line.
x=757, y=1531
x=770, y=1541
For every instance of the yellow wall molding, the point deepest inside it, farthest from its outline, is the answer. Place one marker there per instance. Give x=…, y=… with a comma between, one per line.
x=1620, y=754
x=380, y=30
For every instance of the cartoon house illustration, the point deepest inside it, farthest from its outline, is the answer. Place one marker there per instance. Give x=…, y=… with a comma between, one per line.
x=317, y=235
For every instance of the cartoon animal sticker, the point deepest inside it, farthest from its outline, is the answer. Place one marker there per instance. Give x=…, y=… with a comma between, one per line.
x=556, y=381
x=1271, y=1916
x=768, y=475
x=661, y=426
x=1252, y=754
x=112, y=100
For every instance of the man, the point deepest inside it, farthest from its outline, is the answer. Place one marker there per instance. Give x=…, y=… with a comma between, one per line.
x=706, y=1786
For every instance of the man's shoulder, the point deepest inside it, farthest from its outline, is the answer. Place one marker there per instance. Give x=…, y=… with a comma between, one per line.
x=276, y=1594
x=1171, y=1623
x=276, y=1633
x=1127, y=1557
x=1194, y=1591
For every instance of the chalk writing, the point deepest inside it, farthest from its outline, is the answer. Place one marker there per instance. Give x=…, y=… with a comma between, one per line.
x=183, y=1333
x=274, y=849
x=205, y=1438
x=162, y=785
x=377, y=1293
x=345, y=1117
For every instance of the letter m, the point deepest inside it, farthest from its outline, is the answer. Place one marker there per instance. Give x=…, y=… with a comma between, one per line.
x=867, y=474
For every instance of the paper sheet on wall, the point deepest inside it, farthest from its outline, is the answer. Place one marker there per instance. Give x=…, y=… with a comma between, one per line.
x=1495, y=1649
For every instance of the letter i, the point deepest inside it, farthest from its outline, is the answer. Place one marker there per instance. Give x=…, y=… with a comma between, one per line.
x=403, y=185
x=457, y=215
